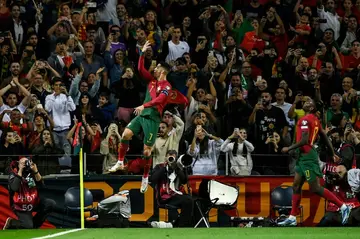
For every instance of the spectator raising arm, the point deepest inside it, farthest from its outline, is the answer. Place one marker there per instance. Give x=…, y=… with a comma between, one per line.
x=26, y=101
x=95, y=88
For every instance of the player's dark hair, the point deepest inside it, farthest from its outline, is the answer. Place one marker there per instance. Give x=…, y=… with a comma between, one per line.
x=314, y=110
x=165, y=66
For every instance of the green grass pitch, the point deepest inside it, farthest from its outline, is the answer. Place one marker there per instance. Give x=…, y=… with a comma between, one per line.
x=189, y=233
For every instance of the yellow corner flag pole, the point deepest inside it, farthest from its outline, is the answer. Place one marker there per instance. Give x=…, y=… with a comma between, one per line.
x=81, y=188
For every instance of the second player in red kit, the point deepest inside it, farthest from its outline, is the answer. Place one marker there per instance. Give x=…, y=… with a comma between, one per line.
x=307, y=165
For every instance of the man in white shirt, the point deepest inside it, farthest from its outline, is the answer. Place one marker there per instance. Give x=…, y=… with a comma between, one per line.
x=329, y=14
x=176, y=47
x=59, y=104
x=12, y=100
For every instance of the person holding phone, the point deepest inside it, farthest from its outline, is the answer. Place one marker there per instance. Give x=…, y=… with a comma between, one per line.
x=114, y=40
x=199, y=55
x=205, y=150
x=239, y=150
x=60, y=99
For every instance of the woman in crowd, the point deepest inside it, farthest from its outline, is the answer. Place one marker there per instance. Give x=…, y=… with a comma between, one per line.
x=239, y=150
x=41, y=120
x=10, y=147
x=110, y=147
x=47, y=154
x=205, y=150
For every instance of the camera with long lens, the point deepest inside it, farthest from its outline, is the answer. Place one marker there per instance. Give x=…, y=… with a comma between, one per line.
x=171, y=159
x=27, y=165
x=30, y=181
x=185, y=160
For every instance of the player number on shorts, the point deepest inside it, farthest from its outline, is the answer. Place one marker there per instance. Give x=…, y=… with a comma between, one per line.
x=307, y=173
x=316, y=130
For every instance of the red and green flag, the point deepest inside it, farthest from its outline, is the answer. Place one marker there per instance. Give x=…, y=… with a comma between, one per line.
x=175, y=97
x=77, y=142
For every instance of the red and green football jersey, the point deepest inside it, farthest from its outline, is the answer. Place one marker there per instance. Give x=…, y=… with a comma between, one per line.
x=311, y=124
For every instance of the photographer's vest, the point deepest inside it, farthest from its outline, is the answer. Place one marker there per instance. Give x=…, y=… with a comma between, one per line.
x=345, y=194
x=331, y=165
x=26, y=199
x=163, y=188
x=343, y=191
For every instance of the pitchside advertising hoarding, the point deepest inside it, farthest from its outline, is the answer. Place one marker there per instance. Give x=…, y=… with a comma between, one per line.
x=254, y=198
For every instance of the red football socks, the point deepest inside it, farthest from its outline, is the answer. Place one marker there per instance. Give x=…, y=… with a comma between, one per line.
x=124, y=145
x=295, y=203
x=332, y=198
x=147, y=166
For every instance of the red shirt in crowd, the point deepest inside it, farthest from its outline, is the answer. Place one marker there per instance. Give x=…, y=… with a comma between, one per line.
x=252, y=41
x=350, y=62
x=280, y=42
x=302, y=38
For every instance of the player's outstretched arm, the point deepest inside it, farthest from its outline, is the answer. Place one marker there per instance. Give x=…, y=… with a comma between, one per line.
x=158, y=100
x=141, y=67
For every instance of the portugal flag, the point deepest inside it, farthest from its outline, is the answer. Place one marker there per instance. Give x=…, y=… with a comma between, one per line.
x=175, y=97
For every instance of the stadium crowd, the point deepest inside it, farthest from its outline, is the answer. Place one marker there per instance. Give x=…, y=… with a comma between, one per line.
x=246, y=68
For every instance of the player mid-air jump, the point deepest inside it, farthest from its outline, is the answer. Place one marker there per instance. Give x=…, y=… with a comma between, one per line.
x=148, y=115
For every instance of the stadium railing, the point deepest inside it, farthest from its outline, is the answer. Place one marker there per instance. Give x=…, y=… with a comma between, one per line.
x=93, y=163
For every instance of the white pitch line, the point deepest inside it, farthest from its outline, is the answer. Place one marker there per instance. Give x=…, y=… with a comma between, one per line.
x=59, y=234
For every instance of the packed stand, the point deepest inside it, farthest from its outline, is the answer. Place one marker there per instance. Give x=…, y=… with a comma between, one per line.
x=70, y=78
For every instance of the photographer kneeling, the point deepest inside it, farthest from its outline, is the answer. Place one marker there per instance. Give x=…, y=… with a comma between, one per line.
x=24, y=197
x=169, y=179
